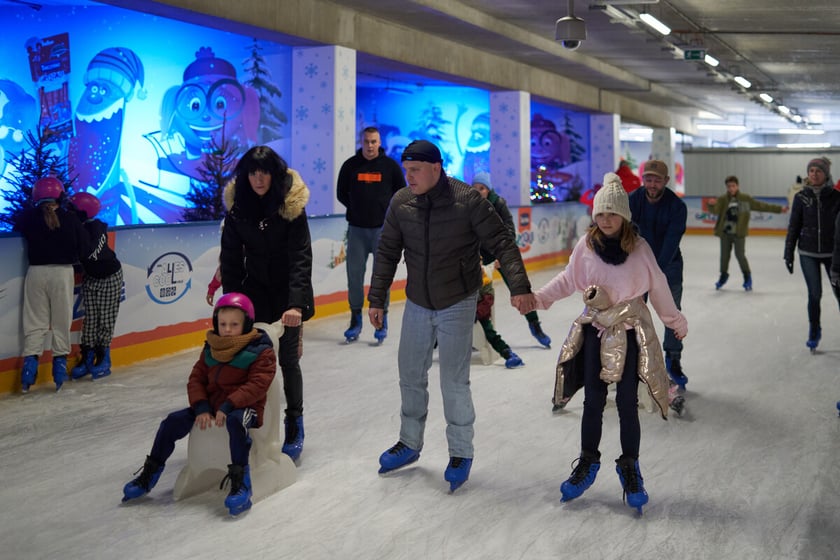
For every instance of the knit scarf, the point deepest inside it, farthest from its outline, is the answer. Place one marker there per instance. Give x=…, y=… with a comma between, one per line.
x=611, y=252
x=224, y=348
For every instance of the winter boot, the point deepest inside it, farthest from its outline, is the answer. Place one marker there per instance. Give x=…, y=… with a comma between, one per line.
x=538, y=333
x=511, y=359
x=398, y=456
x=29, y=373
x=59, y=371
x=102, y=363
x=239, y=498
x=293, y=444
x=85, y=363
x=814, y=336
x=457, y=472
x=747, y=282
x=381, y=334
x=352, y=333
x=583, y=475
x=144, y=483
x=675, y=372
x=632, y=482
x=722, y=280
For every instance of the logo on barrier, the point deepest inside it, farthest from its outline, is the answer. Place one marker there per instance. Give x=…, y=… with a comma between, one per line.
x=169, y=278
x=524, y=235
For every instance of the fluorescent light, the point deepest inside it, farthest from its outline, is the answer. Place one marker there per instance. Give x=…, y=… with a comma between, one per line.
x=766, y=98
x=708, y=115
x=796, y=118
x=639, y=130
x=712, y=126
x=655, y=23
x=783, y=109
x=711, y=61
x=811, y=131
x=742, y=81
x=813, y=145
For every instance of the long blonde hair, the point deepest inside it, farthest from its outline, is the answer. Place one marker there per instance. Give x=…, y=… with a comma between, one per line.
x=594, y=236
x=50, y=217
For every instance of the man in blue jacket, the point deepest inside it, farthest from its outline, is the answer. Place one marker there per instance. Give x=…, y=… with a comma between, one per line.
x=661, y=217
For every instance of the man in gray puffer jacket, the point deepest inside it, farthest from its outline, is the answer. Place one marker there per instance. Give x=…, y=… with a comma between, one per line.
x=439, y=224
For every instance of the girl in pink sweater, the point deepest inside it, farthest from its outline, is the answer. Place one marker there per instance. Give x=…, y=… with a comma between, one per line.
x=614, y=339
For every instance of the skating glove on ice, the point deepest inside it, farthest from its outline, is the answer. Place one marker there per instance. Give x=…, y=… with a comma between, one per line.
x=789, y=265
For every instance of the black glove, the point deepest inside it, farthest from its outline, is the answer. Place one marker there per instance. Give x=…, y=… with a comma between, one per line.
x=789, y=265
x=835, y=278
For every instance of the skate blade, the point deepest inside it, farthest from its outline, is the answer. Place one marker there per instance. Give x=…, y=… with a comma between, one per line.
x=383, y=470
x=236, y=512
x=455, y=485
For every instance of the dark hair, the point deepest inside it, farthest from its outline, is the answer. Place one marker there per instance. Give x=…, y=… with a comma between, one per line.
x=262, y=158
x=370, y=130
x=731, y=179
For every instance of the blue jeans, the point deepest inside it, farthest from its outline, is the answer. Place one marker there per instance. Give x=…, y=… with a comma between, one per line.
x=178, y=425
x=813, y=280
x=452, y=329
x=673, y=347
x=361, y=242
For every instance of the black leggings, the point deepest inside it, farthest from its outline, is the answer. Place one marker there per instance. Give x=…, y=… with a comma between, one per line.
x=595, y=396
x=289, y=346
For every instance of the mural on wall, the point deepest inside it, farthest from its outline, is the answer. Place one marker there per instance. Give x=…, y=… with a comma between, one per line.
x=148, y=108
x=559, y=154
x=455, y=118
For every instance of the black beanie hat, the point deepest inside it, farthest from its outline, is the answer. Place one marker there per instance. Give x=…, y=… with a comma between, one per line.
x=422, y=150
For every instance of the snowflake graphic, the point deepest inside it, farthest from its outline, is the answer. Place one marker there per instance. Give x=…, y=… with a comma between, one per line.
x=302, y=113
x=326, y=108
x=497, y=137
x=510, y=173
x=504, y=108
x=341, y=114
x=319, y=165
x=311, y=70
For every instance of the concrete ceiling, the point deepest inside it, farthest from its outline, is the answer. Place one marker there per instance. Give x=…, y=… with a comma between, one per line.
x=787, y=49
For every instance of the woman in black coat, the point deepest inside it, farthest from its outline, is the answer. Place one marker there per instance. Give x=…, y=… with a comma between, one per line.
x=267, y=255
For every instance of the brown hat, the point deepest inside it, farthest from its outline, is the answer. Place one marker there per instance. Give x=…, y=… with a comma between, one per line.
x=655, y=167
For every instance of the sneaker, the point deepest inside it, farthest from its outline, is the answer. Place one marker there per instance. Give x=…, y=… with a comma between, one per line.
x=239, y=498
x=538, y=333
x=457, y=472
x=583, y=475
x=144, y=483
x=513, y=361
x=397, y=457
x=675, y=372
x=632, y=482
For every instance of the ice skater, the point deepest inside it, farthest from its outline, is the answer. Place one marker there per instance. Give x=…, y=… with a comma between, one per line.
x=101, y=290
x=227, y=387
x=55, y=239
x=484, y=314
x=614, y=339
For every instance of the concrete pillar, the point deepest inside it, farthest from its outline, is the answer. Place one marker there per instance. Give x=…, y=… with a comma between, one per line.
x=510, y=146
x=323, y=120
x=604, y=145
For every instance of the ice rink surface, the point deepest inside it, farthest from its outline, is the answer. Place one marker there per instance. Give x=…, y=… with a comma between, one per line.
x=752, y=471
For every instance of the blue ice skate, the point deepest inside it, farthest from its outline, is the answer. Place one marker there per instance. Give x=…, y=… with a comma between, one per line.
x=457, y=472
x=397, y=457
x=632, y=482
x=382, y=333
x=239, y=498
x=583, y=475
x=293, y=442
x=59, y=371
x=747, y=283
x=721, y=281
x=512, y=360
x=814, y=336
x=143, y=484
x=29, y=373
x=675, y=372
x=537, y=332
x=355, y=329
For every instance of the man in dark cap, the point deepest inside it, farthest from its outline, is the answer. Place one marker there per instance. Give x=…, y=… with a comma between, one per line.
x=439, y=224
x=661, y=218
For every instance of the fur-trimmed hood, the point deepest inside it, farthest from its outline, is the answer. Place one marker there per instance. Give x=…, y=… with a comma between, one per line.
x=293, y=205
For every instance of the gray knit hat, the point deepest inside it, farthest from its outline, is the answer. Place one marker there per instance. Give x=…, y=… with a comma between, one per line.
x=612, y=198
x=822, y=163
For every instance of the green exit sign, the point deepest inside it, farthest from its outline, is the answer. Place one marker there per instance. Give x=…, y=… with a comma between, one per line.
x=695, y=54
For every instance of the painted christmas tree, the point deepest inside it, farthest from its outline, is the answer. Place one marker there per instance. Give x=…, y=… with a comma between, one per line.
x=272, y=118
x=41, y=158
x=205, y=197
x=576, y=147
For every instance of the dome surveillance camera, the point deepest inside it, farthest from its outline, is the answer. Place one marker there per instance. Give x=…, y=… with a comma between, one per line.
x=571, y=44
x=570, y=31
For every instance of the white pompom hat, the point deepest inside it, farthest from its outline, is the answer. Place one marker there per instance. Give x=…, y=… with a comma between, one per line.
x=612, y=198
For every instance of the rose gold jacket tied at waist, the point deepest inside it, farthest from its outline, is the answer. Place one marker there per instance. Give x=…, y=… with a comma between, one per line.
x=613, y=322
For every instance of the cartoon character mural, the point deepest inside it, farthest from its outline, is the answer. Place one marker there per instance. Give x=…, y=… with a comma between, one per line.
x=112, y=78
x=211, y=100
x=18, y=114
x=477, y=151
x=550, y=152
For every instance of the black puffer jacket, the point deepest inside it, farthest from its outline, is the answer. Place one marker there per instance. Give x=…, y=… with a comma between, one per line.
x=440, y=233
x=811, y=225
x=267, y=251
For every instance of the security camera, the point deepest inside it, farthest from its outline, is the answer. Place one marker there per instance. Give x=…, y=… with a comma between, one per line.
x=570, y=31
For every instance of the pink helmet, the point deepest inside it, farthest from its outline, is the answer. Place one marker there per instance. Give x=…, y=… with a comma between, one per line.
x=239, y=301
x=47, y=188
x=87, y=203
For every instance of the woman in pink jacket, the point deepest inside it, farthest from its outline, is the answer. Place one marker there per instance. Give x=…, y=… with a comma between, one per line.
x=614, y=340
